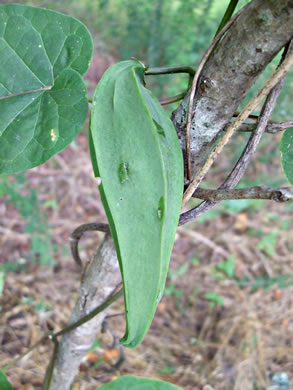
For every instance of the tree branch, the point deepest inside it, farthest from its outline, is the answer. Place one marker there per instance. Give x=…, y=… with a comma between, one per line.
x=251, y=106
x=242, y=164
x=272, y=128
x=283, y=194
x=195, y=85
x=263, y=28
x=100, y=281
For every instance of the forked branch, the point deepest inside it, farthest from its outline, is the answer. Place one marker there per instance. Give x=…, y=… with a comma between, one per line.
x=242, y=164
x=251, y=106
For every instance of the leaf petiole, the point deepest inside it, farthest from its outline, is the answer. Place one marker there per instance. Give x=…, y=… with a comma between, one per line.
x=170, y=70
x=172, y=99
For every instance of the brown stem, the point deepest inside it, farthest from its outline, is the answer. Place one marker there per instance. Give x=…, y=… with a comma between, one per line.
x=272, y=128
x=242, y=164
x=283, y=194
x=251, y=106
x=78, y=233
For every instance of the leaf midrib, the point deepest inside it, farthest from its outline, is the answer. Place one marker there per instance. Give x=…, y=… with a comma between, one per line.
x=26, y=92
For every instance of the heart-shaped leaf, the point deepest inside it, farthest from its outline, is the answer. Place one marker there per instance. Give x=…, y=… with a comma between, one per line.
x=286, y=147
x=137, y=383
x=136, y=152
x=4, y=384
x=43, y=102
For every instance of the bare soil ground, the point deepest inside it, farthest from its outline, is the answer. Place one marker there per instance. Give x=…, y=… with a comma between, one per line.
x=227, y=328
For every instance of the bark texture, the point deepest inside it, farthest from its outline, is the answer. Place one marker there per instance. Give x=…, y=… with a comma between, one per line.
x=102, y=278
x=284, y=194
x=249, y=45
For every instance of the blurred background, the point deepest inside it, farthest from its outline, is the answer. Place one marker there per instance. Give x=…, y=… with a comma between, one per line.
x=226, y=318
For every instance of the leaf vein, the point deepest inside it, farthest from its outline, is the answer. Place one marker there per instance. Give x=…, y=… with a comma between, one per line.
x=20, y=112
x=41, y=37
x=26, y=65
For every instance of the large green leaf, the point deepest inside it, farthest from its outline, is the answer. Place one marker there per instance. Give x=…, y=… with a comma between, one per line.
x=137, y=383
x=4, y=384
x=286, y=147
x=43, y=102
x=135, y=148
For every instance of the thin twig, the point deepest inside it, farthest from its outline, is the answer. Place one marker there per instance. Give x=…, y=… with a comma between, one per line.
x=253, y=117
x=172, y=99
x=272, y=128
x=276, y=127
x=78, y=233
x=251, y=106
x=196, y=212
x=283, y=194
x=109, y=316
x=171, y=70
x=241, y=165
x=49, y=372
x=194, y=86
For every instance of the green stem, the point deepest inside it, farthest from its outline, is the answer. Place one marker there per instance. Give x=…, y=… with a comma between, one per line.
x=173, y=99
x=49, y=373
x=170, y=70
x=91, y=315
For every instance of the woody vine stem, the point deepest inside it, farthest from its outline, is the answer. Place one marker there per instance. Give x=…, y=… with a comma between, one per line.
x=251, y=106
